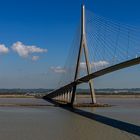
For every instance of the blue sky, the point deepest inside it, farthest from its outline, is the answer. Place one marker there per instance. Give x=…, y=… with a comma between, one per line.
x=50, y=25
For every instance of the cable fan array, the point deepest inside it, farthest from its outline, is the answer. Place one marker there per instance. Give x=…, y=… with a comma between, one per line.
x=108, y=43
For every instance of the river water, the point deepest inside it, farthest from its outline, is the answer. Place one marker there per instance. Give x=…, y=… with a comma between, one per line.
x=54, y=123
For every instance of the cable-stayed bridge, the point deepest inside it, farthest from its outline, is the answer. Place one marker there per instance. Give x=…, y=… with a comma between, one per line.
x=101, y=46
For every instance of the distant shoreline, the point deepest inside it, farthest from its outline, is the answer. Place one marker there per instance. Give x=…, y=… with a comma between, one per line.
x=79, y=96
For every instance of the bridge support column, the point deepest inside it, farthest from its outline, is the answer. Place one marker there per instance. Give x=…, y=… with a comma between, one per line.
x=65, y=97
x=73, y=95
x=68, y=96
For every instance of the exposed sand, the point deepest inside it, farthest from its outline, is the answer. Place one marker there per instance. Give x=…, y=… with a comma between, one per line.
x=16, y=96
x=109, y=96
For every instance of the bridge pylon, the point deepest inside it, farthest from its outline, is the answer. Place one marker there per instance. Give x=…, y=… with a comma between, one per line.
x=83, y=46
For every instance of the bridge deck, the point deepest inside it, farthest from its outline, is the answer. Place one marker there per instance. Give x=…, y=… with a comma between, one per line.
x=99, y=73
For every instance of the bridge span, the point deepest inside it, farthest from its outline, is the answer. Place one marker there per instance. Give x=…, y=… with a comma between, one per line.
x=99, y=73
x=67, y=92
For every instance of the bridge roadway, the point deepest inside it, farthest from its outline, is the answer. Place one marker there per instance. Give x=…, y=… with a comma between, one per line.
x=96, y=74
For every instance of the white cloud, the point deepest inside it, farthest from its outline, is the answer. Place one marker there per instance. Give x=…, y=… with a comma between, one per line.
x=58, y=69
x=94, y=64
x=25, y=50
x=35, y=58
x=100, y=64
x=83, y=65
x=3, y=49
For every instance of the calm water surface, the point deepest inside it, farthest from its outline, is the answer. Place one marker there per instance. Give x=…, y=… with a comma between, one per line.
x=54, y=123
x=127, y=109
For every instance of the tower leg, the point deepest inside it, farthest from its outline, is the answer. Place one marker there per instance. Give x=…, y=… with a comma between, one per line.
x=83, y=45
x=92, y=92
x=73, y=95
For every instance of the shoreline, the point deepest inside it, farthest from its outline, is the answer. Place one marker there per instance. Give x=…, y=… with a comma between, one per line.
x=29, y=104
x=79, y=96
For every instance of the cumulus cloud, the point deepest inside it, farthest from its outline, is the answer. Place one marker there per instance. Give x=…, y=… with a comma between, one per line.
x=83, y=65
x=100, y=64
x=35, y=58
x=97, y=64
x=3, y=49
x=58, y=69
x=25, y=50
